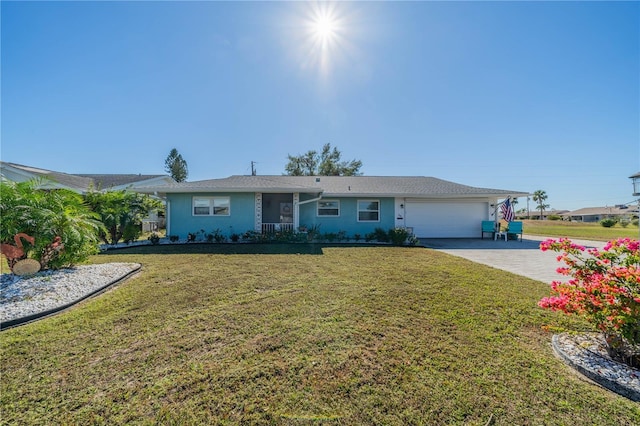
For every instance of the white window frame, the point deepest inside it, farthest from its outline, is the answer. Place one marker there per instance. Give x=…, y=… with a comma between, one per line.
x=318, y=208
x=367, y=201
x=212, y=205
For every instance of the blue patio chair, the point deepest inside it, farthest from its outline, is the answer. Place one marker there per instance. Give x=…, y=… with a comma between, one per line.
x=488, y=226
x=515, y=228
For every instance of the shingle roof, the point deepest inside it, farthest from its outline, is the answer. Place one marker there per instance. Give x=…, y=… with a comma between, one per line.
x=73, y=182
x=392, y=186
x=76, y=182
x=237, y=184
x=601, y=211
x=109, y=181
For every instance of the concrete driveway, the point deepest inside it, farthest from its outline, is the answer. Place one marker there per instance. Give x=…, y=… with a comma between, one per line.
x=519, y=257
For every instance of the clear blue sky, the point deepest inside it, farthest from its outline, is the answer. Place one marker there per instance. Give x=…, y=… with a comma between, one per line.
x=508, y=95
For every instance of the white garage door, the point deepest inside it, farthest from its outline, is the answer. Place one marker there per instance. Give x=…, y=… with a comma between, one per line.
x=445, y=220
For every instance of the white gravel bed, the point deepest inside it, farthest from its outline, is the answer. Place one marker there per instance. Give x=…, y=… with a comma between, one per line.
x=23, y=296
x=587, y=353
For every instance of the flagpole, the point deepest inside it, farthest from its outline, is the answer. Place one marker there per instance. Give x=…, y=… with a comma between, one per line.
x=508, y=211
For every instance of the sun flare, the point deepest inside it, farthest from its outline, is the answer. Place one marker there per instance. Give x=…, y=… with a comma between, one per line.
x=325, y=32
x=324, y=28
x=322, y=35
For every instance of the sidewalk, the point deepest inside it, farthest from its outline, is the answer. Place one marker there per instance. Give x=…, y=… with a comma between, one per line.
x=519, y=257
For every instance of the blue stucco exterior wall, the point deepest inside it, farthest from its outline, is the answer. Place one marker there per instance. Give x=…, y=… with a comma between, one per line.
x=242, y=217
x=348, y=219
x=182, y=221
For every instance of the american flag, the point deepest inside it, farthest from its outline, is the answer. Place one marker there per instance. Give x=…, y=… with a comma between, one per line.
x=507, y=210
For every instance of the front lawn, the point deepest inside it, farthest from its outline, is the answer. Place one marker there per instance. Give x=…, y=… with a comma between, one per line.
x=353, y=335
x=578, y=230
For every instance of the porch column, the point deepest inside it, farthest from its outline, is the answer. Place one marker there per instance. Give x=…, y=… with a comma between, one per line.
x=296, y=211
x=167, y=218
x=258, y=217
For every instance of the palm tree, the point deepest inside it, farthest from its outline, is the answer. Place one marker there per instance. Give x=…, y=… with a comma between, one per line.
x=45, y=215
x=539, y=197
x=514, y=202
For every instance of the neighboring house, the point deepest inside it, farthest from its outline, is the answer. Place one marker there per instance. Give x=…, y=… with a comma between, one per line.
x=596, y=214
x=50, y=179
x=81, y=183
x=432, y=208
x=522, y=213
x=553, y=212
x=118, y=182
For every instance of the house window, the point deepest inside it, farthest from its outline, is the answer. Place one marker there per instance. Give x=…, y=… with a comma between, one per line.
x=329, y=208
x=211, y=206
x=201, y=206
x=368, y=211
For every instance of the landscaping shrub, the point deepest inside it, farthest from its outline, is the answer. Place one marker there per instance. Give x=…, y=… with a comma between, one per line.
x=154, y=238
x=46, y=215
x=131, y=232
x=608, y=222
x=121, y=212
x=329, y=236
x=604, y=289
x=398, y=236
x=554, y=217
x=218, y=237
x=251, y=236
x=381, y=235
x=311, y=232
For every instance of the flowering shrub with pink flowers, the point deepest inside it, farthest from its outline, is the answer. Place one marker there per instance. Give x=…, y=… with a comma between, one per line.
x=604, y=288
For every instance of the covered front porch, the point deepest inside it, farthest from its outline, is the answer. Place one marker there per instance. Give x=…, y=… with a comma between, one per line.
x=276, y=212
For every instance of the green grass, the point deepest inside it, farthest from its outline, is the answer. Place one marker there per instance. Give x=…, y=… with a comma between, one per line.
x=578, y=230
x=353, y=335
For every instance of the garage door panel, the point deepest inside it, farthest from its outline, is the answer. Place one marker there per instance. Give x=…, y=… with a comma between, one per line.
x=445, y=220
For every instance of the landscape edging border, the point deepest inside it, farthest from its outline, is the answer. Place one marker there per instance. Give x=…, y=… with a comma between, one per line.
x=40, y=315
x=611, y=385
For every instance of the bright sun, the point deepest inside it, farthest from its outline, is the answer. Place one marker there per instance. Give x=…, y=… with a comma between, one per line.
x=324, y=28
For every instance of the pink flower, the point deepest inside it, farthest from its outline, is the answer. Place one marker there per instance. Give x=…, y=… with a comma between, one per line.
x=604, y=286
x=554, y=303
x=546, y=244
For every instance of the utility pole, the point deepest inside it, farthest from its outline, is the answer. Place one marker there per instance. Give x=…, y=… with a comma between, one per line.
x=253, y=168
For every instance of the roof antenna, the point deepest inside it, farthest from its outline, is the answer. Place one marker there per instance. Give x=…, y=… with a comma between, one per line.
x=253, y=168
